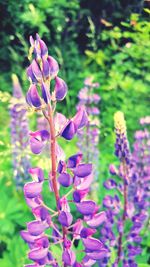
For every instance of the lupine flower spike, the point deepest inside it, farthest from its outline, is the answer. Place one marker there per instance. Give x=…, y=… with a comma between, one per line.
x=69, y=180
x=122, y=232
x=19, y=135
x=88, y=137
x=140, y=182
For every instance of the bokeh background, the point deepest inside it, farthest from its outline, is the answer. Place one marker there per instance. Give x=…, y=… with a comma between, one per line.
x=108, y=40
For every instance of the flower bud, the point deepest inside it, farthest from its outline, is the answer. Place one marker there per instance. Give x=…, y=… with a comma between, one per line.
x=68, y=131
x=45, y=93
x=45, y=69
x=65, y=179
x=80, y=119
x=65, y=218
x=32, y=97
x=110, y=184
x=53, y=67
x=60, y=89
x=113, y=170
x=40, y=47
x=68, y=257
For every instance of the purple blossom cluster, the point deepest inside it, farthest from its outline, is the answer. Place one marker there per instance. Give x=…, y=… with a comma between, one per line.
x=19, y=135
x=141, y=169
x=124, y=221
x=69, y=180
x=140, y=181
x=88, y=137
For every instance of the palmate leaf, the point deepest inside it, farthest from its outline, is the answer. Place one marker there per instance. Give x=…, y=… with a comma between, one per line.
x=13, y=210
x=9, y=209
x=143, y=258
x=15, y=255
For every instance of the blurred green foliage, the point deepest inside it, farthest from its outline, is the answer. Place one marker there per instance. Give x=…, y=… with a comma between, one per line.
x=109, y=40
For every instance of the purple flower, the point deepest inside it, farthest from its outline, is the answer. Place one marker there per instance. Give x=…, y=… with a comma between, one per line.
x=58, y=219
x=86, y=207
x=65, y=218
x=97, y=219
x=68, y=257
x=69, y=130
x=132, y=208
x=92, y=244
x=38, y=140
x=88, y=137
x=19, y=135
x=65, y=179
x=32, y=189
x=60, y=89
x=83, y=170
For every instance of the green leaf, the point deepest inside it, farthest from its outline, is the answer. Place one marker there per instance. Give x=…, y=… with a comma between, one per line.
x=147, y=10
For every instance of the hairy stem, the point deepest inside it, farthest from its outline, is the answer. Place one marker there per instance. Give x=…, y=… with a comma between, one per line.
x=54, y=162
x=53, y=153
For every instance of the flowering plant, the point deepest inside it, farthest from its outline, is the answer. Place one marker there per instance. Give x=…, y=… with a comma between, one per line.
x=125, y=219
x=55, y=226
x=88, y=137
x=19, y=135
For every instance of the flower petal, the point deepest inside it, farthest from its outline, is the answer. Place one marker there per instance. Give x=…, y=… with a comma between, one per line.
x=65, y=179
x=97, y=219
x=68, y=131
x=32, y=97
x=83, y=170
x=31, y=75
x=38, y=254
x=41, y=47
x=80, y=119
x=45, y=93
x=78, y=195
x=36, y=227
x=37, y=140
x=65, y=218
x=98, y=255
x=86, y=207
x=68, y=257
x=85, y=232
x=92, y=244
x=60, y=89
x=74, y=160
x=36, y=70
x=86, y=182
x=27, y=237
x=32, y=189
x=37, y=174
x=53, y=66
